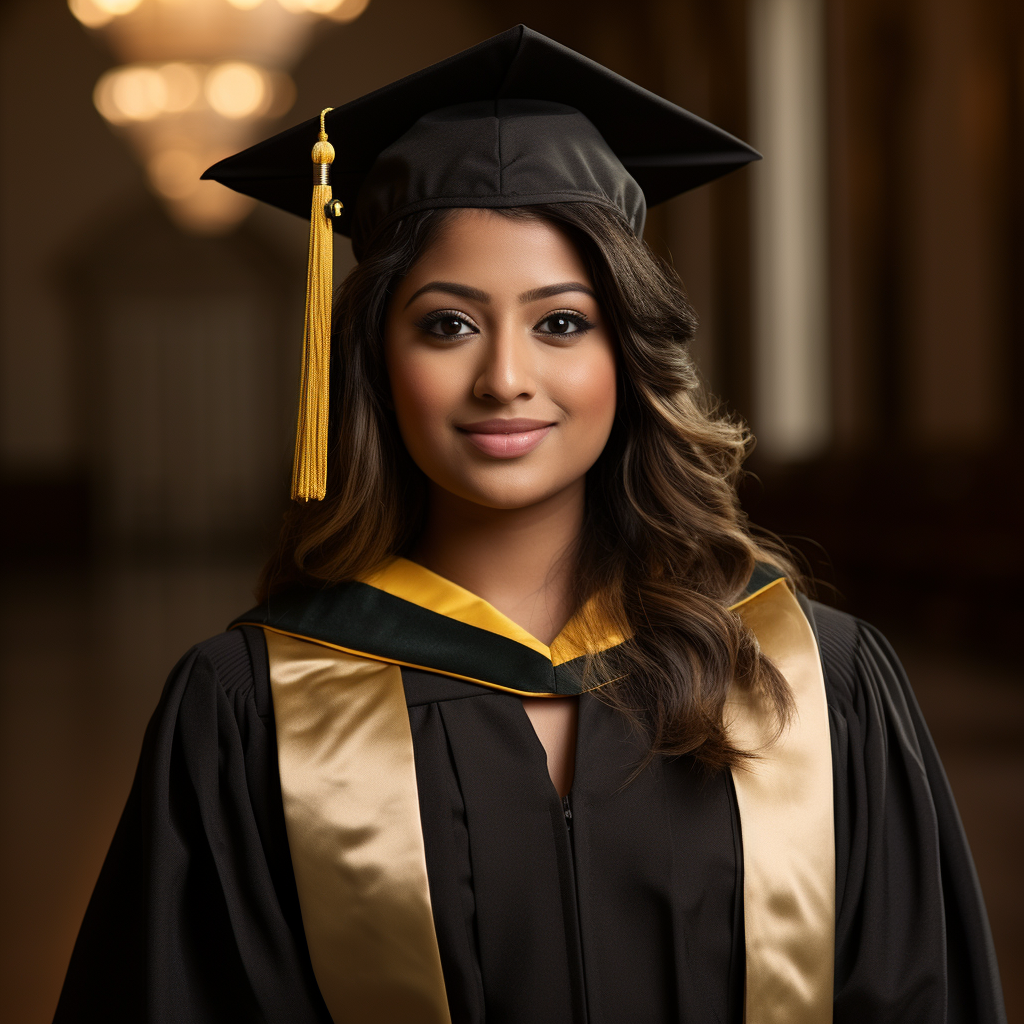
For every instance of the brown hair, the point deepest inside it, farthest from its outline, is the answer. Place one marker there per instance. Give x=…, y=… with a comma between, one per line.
x=664, y=548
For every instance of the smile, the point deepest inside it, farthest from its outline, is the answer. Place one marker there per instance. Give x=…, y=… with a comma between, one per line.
x=506, y=439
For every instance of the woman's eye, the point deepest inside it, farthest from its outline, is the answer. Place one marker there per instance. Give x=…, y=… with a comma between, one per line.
x=563, y=323
x=447, y=325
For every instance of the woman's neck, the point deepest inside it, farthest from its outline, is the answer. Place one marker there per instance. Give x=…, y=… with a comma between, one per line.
x=516, y=559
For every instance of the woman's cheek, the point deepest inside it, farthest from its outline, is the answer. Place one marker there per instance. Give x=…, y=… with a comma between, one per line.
x=422, y=391
x=589, y=390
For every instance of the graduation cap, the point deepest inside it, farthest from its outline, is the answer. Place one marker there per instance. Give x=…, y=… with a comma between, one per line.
x=518, y=120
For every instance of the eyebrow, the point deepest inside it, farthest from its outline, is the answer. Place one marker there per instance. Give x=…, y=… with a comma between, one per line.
x=556, y=289
x=464, y=291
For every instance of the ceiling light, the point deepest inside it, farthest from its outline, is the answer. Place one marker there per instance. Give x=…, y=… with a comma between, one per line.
x=236, y=90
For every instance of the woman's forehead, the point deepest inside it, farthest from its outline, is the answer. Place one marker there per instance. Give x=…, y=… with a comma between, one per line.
x=502, y=253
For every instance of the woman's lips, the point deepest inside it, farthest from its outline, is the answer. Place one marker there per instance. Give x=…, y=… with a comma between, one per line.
x=506, y=439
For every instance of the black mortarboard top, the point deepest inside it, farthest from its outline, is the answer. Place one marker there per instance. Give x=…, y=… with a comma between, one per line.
x=518, y=120
x=399, y=149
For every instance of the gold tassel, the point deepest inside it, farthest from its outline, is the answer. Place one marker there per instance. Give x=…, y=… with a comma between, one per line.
x=309, y=469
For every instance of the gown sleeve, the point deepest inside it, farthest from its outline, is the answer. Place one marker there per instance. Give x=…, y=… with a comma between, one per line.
x=194, y=916
x=912, y=939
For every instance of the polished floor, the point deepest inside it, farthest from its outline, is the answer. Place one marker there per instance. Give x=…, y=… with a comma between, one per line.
x=83, y=655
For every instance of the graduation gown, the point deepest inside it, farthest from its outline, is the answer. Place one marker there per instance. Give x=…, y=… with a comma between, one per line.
x=279, y=824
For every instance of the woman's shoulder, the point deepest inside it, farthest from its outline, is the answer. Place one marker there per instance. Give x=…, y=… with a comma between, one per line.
x=229, y=666
x=875, y=716
x=862, y=671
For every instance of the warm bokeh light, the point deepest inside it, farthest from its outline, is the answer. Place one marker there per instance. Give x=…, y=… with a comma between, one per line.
x=97, y=13
x=131, y=94
x=184, y=85
x=311, y=6
x=184, y=116
x=200, y=207
x=232, y=90
x=348, y=10
x=117, y=7
x=175, y=173
x=196, y=79
x=336, y=10
x=103, y=99
x=89, y=13
x=236, y=90
x=211, y=209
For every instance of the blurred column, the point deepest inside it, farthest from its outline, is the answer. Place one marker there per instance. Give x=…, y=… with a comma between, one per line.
x=792, y=402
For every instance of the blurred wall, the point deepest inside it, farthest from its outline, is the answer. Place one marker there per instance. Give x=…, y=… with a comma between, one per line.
x=926, y=108
x=47, y=71
x=916, y=504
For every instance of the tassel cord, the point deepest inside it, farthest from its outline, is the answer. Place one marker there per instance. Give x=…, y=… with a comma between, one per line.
x=309, y=468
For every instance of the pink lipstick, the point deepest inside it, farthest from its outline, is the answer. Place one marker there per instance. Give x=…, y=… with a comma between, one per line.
x=506, y=439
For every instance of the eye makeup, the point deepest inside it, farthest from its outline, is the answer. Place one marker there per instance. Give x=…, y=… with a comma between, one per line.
x=569, y=318
x=441, y=318
x=562, y=323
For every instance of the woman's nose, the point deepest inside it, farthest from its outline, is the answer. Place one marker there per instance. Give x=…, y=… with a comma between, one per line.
x=507, y=371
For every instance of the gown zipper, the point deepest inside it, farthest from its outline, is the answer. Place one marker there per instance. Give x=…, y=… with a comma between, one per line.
x=567, y=817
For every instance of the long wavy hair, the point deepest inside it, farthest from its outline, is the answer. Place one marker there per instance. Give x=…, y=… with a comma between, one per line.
x=664, y=549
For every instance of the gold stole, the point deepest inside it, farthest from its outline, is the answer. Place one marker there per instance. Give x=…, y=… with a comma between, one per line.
x=785, y=804
x=348, y=782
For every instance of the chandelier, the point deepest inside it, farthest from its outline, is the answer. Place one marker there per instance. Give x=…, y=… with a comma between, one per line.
x=198, y=81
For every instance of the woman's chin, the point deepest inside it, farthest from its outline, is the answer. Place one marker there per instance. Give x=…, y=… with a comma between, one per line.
x=508, y=491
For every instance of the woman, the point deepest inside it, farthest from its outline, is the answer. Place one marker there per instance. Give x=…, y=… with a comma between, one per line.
x=528, y=727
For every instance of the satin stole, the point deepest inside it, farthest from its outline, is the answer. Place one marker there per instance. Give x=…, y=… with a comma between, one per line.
x=348, y=782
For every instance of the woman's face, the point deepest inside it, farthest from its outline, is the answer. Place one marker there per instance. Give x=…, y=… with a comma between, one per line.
x=502, y=368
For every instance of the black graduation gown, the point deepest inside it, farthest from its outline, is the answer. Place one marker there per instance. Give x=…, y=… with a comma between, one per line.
x=628, y=911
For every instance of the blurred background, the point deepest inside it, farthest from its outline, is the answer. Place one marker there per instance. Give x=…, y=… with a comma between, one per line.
x=860, y=301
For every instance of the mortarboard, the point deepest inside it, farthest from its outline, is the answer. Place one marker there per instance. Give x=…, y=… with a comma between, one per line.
x=518, y=120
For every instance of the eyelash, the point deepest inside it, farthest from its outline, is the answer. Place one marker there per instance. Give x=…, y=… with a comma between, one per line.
x=582, y=323
x=431, y=320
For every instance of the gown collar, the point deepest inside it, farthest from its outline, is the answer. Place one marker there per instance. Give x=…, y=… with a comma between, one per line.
x=404, y=614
